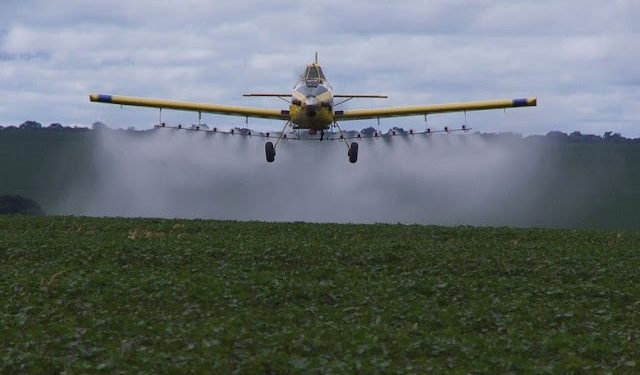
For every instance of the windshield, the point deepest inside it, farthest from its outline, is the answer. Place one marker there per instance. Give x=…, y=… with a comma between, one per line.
x=313, y=72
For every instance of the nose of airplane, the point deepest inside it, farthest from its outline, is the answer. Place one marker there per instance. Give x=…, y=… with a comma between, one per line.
x=310, y=106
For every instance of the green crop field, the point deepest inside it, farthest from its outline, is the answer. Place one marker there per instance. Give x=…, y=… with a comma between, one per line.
x=83, y=295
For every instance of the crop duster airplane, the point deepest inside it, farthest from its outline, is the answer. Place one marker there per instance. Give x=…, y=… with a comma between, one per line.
x=312, y=106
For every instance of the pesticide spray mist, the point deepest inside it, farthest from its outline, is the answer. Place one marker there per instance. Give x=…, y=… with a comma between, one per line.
x=444, y=179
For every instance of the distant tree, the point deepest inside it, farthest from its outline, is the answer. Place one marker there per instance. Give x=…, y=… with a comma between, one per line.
x=99, y=126
x=557, y=136
x=610, y=137
x=591, y=138
x=55, y=126
x=510, y=135
x=490, y=136
x=30, y=125
x=368, y=131
x=576, y=137
x=535, y=138
x=398, y=130
x=15, y=204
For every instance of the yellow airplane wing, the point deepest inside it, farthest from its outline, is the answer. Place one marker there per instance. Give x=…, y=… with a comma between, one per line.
x=191, y=106
x=359, y=114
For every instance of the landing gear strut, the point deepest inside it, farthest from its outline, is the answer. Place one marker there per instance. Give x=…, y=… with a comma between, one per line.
x=353, y=152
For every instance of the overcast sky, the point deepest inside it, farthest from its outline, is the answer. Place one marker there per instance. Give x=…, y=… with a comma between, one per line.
x=580, y=58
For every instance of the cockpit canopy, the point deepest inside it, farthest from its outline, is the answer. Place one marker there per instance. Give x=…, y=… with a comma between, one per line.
x=313, y=73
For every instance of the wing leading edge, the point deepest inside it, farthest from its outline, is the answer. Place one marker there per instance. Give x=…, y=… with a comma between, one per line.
x=360, y=114
x=192, y=106
x=354, y=114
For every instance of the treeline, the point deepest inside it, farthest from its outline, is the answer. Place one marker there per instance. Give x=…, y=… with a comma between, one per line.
x=554, y=136
x=567, y=180
x=34, y=125
x=16, y=204
x=575, y=137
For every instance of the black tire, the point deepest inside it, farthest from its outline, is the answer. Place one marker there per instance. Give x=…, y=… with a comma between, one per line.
x=270, y=151
x=353, y=152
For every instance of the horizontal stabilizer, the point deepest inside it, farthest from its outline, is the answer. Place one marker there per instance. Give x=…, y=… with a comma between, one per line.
x=360, y=96
x=267, y=94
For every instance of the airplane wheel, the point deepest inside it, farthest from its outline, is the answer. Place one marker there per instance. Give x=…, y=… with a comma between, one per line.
x=270, y=151
x=353, y=152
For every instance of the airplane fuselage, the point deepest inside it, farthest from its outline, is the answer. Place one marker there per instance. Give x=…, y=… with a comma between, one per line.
x=312, y=105
x=312, y=101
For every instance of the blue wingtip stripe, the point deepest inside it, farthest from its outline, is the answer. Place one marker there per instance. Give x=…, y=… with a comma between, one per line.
x=105, y=98
x=520, y=102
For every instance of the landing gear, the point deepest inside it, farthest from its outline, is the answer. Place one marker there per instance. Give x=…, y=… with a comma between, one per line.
x=353, y=152
x=270, y=151
x=270, y=148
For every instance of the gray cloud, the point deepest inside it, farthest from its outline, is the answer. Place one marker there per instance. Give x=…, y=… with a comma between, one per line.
x=579, y=60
